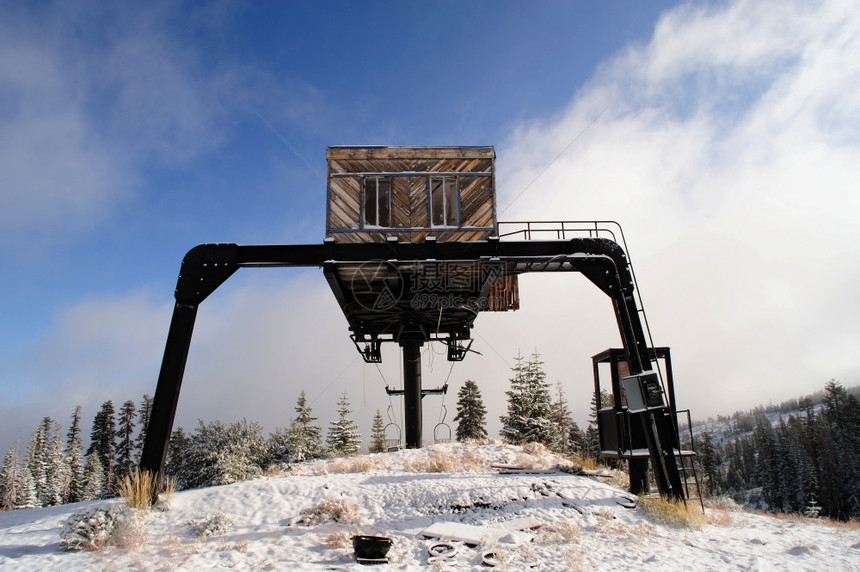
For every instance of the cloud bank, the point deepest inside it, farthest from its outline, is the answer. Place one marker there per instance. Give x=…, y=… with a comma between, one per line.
x=727, y=147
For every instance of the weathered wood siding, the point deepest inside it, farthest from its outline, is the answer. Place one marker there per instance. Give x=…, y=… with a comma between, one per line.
x=409, y=169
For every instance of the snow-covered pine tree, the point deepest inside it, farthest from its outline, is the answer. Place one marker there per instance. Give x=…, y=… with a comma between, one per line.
x=103, y=441
x=143, y=414
x=94, y=477
x=841, y=420
x=74, y=458
x=217, y=454
x=28, y=497
x=38, y=453
x=768, y=473
x=592, y=433
x=178, y=465
x=471, y=413
x=10, y=484
x=377, y=434
x=243, y=454
x=304, y=439
x=709, y=462
x=277, y=444
x=125, y=454
x=571, y=437
x=513, y=424
x=58, y=476
x=529, y=417
x=343, y=436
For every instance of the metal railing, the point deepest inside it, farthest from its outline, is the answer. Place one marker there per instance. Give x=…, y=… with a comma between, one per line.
x=561, y=230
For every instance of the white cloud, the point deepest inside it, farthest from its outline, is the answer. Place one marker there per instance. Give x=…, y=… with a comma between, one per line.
x=727, y=148
x=82, y=109
x=99, y=349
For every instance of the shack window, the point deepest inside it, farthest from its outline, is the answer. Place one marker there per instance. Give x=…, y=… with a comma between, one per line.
x=443, y=201
x=377, y=201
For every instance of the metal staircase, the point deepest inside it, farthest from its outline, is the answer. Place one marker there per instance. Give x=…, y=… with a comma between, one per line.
x=673, y=467
x=687, y=465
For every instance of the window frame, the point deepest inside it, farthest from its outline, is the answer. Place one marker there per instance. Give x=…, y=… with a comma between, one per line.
x=376, y=201
x=450, y=204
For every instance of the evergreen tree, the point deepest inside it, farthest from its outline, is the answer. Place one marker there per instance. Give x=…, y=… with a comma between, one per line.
x=28, y=497
x=592, y=433
x=38, y=459
x=10, y=480
x=768, y=474
x=278, y=446
x=74, y=458
x=94, y=477
x=343, y=437
x=740, y=468
x=841, y=439
x=58, y=475
x=529, y=417
x=177, y=464
x=144, y=412
x=217, y=454
x=103, y=441
x=709, y=460
x=304, y=439
x=17, y=487
x=377, y=434
x=471, y=413
x=125, y=450
x=571, y=437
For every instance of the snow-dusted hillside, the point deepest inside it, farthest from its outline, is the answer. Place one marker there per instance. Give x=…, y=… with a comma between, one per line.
x=581, y=523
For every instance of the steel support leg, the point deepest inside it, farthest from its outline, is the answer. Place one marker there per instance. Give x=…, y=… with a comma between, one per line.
x=412, y=392
x=639, y=484
x=167, y=391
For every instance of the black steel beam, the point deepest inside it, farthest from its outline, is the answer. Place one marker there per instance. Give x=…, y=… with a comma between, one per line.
x=207, y=266
x=167, y=391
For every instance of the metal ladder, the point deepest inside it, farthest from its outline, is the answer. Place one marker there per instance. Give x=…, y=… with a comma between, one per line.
x=687, y=465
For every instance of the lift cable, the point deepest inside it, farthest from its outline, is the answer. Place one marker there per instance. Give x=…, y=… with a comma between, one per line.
x=337, y=377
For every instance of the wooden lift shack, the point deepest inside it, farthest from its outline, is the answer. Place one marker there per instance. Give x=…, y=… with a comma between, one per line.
x=413, y=253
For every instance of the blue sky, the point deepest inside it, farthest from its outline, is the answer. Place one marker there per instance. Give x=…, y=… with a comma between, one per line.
x=722, y=135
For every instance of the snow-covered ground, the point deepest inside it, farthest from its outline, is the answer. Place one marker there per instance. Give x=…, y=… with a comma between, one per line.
x=581, y=523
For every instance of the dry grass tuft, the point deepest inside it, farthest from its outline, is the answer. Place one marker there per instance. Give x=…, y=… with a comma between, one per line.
x=586, y=463
x=473, y=461
x=436, y=462
x=137, y=489
x=563, y=532
x=673, y=513
x=361, y=464
x=338, y=509
x=168, y=488
x=576, y=560
x=341, y=537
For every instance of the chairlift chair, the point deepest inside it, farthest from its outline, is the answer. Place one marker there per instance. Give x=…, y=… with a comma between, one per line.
x=393, y=437
x=442, y=431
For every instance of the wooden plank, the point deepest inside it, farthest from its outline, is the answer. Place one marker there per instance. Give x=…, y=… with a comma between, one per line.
x=353, y=153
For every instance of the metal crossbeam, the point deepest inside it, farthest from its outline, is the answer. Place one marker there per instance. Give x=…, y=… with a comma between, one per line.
x=207, y=266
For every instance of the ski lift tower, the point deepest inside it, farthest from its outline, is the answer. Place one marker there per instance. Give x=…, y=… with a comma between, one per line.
x=413, y=253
